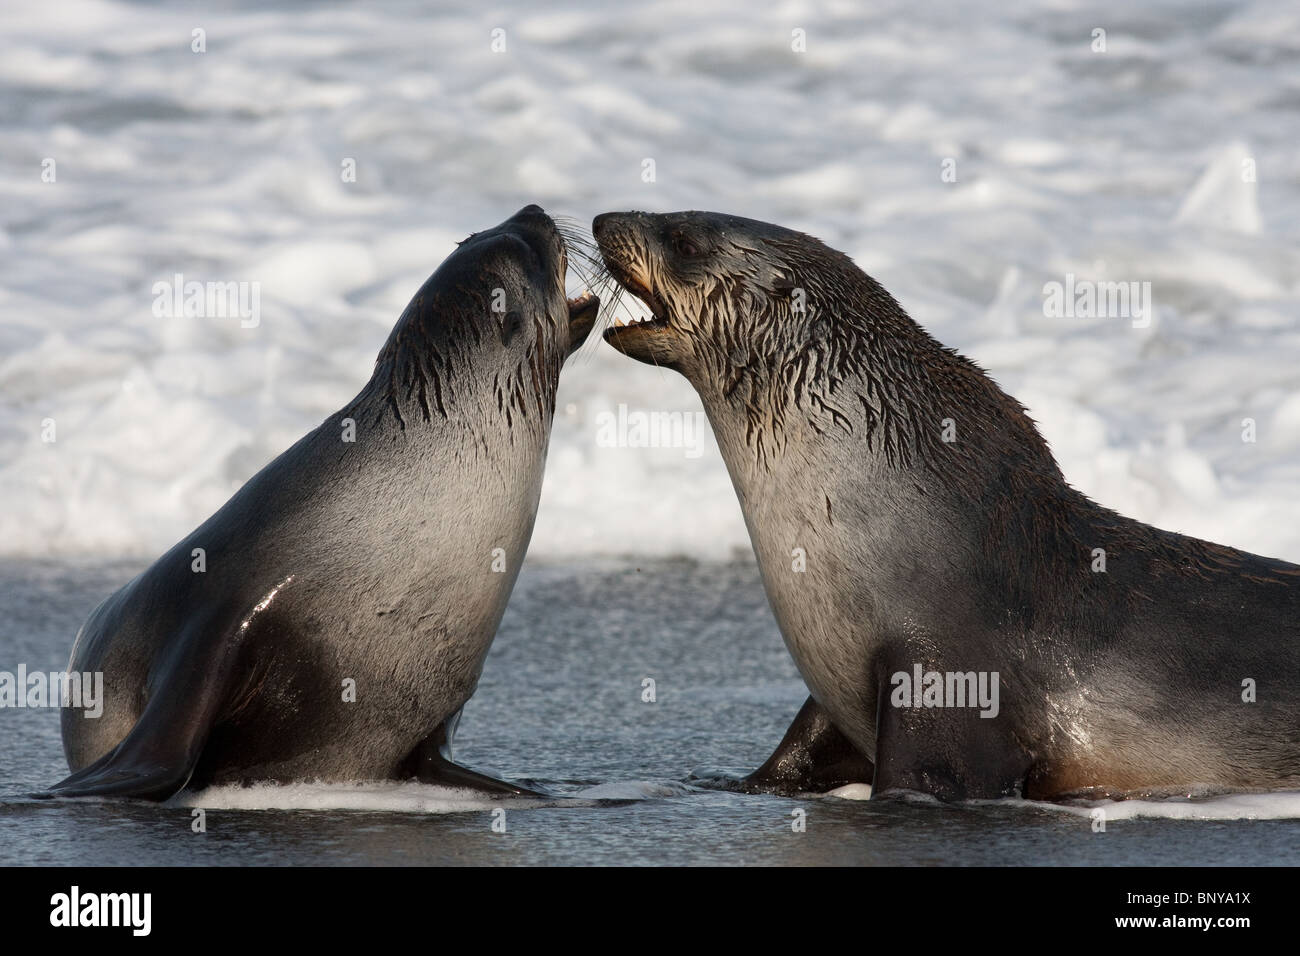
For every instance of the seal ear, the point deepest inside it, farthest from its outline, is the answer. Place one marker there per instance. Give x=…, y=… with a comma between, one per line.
x=782, y=282
x=767, y=260
x=511, y=323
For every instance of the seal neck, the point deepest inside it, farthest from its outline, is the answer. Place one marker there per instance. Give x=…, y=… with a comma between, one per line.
x=871, y=379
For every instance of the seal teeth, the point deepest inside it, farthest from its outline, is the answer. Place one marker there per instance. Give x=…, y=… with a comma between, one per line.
x=623, y=323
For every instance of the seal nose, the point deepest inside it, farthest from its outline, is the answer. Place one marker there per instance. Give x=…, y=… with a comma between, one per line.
x=604, y=223
x=610, y=223
x=532, y=224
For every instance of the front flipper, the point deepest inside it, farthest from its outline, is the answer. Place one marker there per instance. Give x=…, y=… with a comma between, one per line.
x=813, y=757
x=951, y=753
x=430, y=762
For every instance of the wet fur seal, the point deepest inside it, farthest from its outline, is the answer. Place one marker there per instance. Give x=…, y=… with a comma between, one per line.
x=959, y=557
x=367, y=560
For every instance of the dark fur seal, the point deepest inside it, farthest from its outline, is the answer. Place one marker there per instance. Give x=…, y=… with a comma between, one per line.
x=367, y=560
x=969, y=557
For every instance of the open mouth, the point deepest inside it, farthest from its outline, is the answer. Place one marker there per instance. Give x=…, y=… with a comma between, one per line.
x=654, y=322
x=581, y=305
x=584, y=307
x=583, y=310
x=543, y=241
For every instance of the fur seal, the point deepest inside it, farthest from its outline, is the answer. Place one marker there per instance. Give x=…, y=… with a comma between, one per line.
x=364, y=562
x=940, y=538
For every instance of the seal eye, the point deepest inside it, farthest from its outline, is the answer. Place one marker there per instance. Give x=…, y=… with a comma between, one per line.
x=684, y=247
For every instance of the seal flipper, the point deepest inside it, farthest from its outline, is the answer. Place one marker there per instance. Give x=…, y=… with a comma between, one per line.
x=812, y=757
x=952, y=753
x=430, y=762
x=158, y=756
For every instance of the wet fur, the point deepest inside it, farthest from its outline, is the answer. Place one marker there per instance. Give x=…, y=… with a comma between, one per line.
x=969, y=555
x=368, y=560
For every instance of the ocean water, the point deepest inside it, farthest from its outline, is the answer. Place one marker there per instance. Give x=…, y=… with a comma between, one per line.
x=560, y=706
x=1170, y=159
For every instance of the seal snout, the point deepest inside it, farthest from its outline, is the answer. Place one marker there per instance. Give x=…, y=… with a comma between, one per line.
x=533, y=214
x=613, y=230
x=541, y=230
x=603, y=223
x=626, y=249
x=532, y=223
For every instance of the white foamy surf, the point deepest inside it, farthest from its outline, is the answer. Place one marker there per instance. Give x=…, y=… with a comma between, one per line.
x=412, y=797
x=407, y=797
x=852, y=791
x=377, y=797
x=1282, y=805
x=1233, y=806
x=228, y=165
